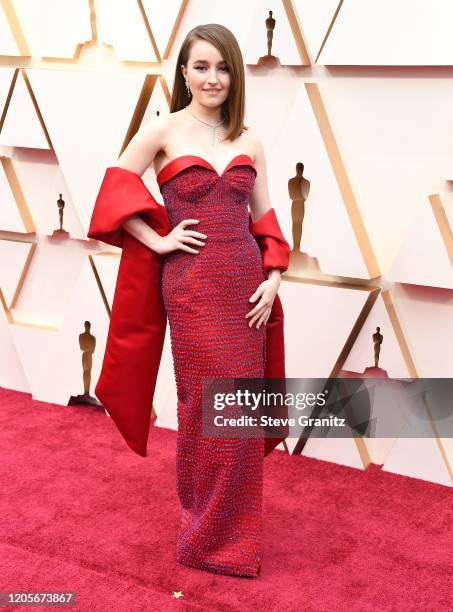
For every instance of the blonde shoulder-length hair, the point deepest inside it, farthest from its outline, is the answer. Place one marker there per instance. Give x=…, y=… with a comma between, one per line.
x=224, y=40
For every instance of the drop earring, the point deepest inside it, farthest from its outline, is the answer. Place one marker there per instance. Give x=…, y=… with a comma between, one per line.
x=187, y=85
x=188, y=89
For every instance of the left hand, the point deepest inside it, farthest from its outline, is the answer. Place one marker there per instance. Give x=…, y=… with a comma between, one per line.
x=261, y=312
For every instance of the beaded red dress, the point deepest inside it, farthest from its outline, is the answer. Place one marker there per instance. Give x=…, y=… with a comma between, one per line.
x=206, y=296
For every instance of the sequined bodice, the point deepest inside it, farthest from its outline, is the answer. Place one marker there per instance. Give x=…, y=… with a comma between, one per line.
x=220, y=202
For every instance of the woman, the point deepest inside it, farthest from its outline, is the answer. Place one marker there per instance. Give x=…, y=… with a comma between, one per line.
x=217, y=291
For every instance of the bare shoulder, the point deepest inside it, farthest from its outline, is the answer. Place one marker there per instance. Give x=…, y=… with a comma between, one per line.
x=149, y=143
x=156, y=129
x=160, y=129
x=168, y=121
x=146, y=143
x=253, y=143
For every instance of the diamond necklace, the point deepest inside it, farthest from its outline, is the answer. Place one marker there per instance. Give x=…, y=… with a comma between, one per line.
x=208, y=124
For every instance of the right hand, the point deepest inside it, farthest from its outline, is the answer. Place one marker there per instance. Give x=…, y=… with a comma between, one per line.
x=177, y=237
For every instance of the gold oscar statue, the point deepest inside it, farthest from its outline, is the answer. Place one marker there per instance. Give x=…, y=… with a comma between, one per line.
x=298, y=191
x=60, y=233
x=87, y=344
x=375, y=371
x=269, y=59
x=377, y=341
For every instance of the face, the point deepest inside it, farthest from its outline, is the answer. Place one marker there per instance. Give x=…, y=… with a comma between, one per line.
x=208, y=75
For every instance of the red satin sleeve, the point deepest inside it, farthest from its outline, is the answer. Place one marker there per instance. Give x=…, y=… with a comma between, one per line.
x=138, y=319
x=121, y=195
x=275, y=250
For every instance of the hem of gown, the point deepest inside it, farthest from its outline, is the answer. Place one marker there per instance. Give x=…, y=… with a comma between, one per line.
x=222, y=568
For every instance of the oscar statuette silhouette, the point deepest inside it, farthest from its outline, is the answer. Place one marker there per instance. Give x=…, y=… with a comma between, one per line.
x=87, y=344
x=375, y=371
x=60, y=232
x=269, y=59
x=298, y=191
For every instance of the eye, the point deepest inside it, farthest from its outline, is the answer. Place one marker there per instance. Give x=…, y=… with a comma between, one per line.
x=222, y=68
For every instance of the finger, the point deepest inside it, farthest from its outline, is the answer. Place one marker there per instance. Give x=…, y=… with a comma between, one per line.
x=252, y=321
x=255, y=318
x=185, y=222
x=261, y=304
x=183, y=247
x=194, y=233
x=262, y=320
x=254, y=310
x=192, y=240
x=255, y=295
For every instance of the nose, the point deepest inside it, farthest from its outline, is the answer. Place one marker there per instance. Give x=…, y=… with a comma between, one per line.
x=212, y=78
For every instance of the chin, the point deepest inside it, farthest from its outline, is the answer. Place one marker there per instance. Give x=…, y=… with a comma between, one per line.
x=214, y=102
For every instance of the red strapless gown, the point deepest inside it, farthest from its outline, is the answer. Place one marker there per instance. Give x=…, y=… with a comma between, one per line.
x=219, y=480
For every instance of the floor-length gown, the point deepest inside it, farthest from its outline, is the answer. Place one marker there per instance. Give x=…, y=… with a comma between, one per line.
x=206, y=295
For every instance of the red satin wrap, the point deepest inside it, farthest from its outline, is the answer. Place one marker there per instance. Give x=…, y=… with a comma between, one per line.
x=138, y=318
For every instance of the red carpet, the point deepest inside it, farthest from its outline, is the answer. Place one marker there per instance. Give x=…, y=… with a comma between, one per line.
x=80, y=512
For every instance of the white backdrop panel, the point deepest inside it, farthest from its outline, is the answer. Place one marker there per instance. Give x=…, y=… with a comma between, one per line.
x=392, y=33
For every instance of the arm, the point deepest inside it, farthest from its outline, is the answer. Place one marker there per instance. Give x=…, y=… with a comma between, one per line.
x=259, y=199
x=265, y=228
x=138, y=155
x=124, y=204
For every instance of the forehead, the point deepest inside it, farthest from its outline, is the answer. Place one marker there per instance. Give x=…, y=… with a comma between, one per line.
x=204, y=51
